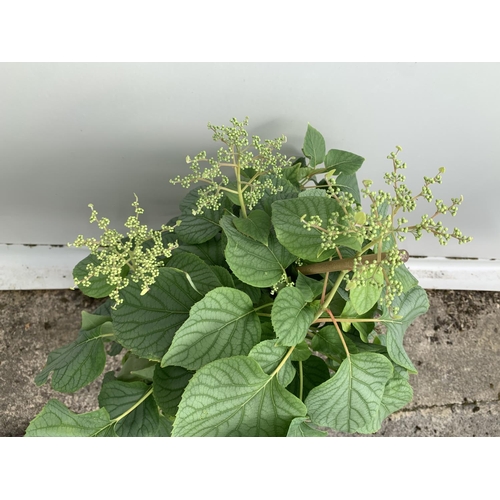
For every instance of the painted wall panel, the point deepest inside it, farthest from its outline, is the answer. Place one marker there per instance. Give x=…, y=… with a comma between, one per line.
x=75, y=133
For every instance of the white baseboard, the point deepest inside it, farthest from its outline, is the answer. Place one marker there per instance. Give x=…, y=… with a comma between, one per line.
x=38, y=267
x=444, y=273
x=45, y=267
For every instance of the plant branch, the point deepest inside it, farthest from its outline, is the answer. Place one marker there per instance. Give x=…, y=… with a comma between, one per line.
x=283, y=361
x=355, y=320
x=344, y=264
x=339, y=332
x=133, y=407
x=301, y=378
x=330, y=296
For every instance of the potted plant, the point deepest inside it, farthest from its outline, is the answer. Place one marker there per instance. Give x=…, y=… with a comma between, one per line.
x=273, y=305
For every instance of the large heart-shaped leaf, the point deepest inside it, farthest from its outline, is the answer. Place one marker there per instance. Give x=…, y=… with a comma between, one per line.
x=296, y=237
x=269, y=356
x=251, y=261
x=168, y=385
x=291, y=316
x=220, y=325
x=411, y=304
x=146, y=324
x=79, y=363
x=135, y=401
x=314, y=146
x=301, y=428
x=234, y=397
x=55, y=420
x=343, y=161
x=350, y=400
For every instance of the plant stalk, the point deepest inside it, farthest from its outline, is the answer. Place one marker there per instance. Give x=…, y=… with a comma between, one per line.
x=344, y=264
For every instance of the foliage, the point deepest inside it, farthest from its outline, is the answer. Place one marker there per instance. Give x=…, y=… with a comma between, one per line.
x=274, y=305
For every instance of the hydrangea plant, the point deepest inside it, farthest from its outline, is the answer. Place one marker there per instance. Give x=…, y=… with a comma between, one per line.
x=273, y=305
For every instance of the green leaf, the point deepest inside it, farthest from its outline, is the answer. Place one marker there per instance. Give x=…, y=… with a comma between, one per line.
x=114, y=349
x=309, y=287
x=291, y=173
x=314, y=146
x=411, y=304
x=314, y=371
x=233, y=185
x=327, y=340
x=349, y=184
x=120, y=397
x=347, y=312
x=306, y=172
x=133, y=368
x=269, y=356
x=78, y=363
x=343, y=161
x=104, y=309
x=301, y=428
x=99, y=287
x=252, y=262
x=55, y=420
x=364, y=297
x=294, y=236
x=195, y=229
x=397, y=394
x=308, y=193
x=301, y=352
x=220, y=325
x=224, y=276
x=108, y=431
x=291, y=316
x=285, y=190
x=164, y=428
x=363, y=346
x=91, y=321
x=200, y=273
x=146, y=324
x=364, y=328
x=405, y=277
x=254, y=293
x=256, y=226
x=350, y=400
x=168, y=385
x=189, y=203
x=267, y=330
x=145, y=374
x=211, y=252
x=234, y=397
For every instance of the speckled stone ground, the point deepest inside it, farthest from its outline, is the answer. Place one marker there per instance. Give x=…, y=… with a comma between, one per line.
x=455, y=347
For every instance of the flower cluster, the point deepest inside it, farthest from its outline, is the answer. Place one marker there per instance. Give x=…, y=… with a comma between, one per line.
x=136, y=256
x=248, y=159
x=380, y=228
x=404, y=200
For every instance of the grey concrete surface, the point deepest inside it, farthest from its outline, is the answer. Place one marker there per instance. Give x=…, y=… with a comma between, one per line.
x=455, y=347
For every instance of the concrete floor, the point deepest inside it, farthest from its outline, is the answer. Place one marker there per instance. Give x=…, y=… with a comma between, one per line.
x=455, y=347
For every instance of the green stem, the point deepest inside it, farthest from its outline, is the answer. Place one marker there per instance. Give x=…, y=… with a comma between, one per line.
x=330, y=296
x=355, y=320
x=105, y=335
x=237, y=171
x=283, y=361
x=249, y=182
x=133, y=407
x=265, y=305
x=339, y=332
x=228, y=190
x=301, y=378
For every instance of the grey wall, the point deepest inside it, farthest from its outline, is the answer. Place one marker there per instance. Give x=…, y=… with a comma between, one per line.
x=74, y=133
